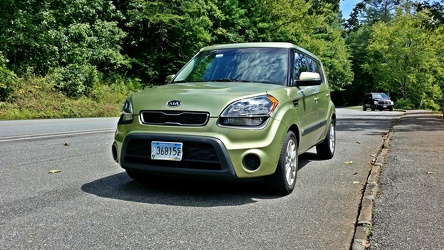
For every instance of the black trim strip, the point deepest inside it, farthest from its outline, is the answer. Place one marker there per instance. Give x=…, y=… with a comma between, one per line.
x=314, y=127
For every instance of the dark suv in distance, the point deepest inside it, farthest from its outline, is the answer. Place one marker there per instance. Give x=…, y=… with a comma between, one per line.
x=378, y=101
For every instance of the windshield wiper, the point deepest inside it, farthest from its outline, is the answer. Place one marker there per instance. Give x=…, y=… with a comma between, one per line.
x=228, y=80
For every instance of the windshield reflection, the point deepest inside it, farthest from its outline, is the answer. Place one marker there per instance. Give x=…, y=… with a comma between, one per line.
x=264, y=65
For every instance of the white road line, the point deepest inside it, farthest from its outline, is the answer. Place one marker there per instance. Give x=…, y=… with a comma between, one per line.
x=52, y=135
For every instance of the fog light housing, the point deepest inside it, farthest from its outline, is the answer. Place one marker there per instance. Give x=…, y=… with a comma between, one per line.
x=251, y=162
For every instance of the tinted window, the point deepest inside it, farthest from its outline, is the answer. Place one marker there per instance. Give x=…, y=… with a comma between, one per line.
x=300, y=65
x=313, y=66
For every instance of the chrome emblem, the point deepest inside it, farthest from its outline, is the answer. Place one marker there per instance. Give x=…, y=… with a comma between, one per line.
x=174, y=103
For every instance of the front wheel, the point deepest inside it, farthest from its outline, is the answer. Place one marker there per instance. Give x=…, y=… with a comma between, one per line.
x=283, y=180
x=326, y=150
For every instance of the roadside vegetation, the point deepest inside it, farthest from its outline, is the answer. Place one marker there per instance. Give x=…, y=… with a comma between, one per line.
x=81, y=58
x=36, y=97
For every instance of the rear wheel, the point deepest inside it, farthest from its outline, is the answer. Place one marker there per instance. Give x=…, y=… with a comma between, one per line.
x=283, y=180
x=364, y=108
x=326, y=150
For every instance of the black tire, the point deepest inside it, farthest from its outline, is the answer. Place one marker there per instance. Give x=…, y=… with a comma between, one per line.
x=283, y=180
x=364, y=108
x=326, y=149
x=373, y=108
x=136, y=176
x=391, y=109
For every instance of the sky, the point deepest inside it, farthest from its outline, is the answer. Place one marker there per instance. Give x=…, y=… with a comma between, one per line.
x=347, y=7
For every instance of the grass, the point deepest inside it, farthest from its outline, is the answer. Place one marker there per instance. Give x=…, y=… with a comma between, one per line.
x=35, y=98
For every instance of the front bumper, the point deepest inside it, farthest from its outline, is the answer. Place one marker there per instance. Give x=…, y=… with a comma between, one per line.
x=202, y=157
x=209, y=152
x=383, y=106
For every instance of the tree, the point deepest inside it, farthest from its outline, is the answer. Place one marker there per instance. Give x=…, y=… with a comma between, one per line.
x=406, y=58
x=358, y=31
x=7, y=78
x=314, y=25
x=43, y=34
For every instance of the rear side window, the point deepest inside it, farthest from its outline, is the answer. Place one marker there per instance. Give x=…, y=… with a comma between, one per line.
x=300, y=65
x=313, y=66
x=304, y=63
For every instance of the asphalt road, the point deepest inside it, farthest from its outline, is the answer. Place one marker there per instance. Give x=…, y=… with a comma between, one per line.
x=92, y=204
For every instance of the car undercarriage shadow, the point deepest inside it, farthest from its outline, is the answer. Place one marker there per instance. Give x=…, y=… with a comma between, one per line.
x=185, y=192
x=179, y=192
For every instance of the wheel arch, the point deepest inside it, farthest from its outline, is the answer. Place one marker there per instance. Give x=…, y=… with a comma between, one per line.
x=295, y=129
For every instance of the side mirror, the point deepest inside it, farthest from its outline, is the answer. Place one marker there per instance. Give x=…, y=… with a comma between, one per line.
x=168, y=78
x=309, y=79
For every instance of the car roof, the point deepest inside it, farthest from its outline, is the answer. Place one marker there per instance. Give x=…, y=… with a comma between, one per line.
x=258, y=45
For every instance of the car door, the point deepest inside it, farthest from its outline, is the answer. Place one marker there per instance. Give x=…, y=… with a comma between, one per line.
x=321, y=97
x=307, y=104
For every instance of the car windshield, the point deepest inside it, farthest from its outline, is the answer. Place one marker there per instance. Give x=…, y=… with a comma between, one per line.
x=380, y=96
x=264, y=65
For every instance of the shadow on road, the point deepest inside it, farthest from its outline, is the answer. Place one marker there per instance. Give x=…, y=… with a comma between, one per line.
x=184, y=192
x=178, y=192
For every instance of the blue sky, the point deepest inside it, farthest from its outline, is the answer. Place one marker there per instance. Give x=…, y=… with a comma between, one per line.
x=347, y=7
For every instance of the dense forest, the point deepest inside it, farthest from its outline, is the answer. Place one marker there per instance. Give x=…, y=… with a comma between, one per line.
x=77, y=46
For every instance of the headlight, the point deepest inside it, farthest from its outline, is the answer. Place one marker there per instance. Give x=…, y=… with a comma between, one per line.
x=375, y=102
x=248, y=112
x=126, y=112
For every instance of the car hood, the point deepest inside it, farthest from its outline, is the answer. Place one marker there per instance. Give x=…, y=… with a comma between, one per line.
x=210, y=97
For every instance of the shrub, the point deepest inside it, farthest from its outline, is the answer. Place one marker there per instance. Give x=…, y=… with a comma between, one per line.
x=75, y=80
x=7, y=79
x=404, y=104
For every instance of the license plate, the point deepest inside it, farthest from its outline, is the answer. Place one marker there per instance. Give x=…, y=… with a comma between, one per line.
x=170, y=151
x=385, y=106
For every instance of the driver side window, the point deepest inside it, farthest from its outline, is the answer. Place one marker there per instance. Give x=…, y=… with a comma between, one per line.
x=300, y=65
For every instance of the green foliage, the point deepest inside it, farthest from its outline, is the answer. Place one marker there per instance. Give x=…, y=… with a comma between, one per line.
x=7, y=79
x=75, y=44
x=163, y=35
x=404, y=59
x=403, y=103
x=75, y=80
x=310, y=24
x=35, y=97
x=42, y=34
x=397, y=47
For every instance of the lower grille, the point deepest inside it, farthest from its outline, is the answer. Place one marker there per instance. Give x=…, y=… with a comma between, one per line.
x=196, y=155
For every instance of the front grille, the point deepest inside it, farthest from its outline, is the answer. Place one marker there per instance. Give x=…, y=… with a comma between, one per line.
x=174, y=118
x=196, y=155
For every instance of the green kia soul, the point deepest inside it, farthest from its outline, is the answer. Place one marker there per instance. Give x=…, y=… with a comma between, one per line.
x=233, y=112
